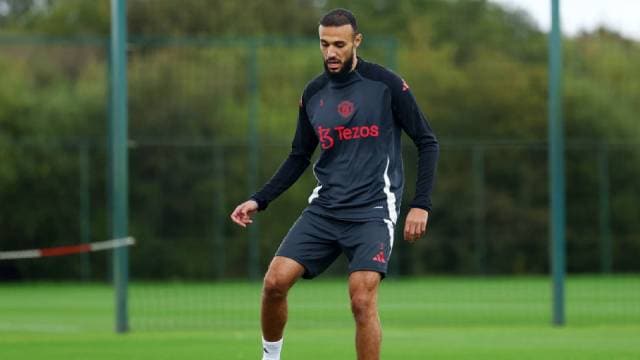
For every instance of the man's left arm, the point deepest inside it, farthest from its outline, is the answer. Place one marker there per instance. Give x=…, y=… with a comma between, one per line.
x=414, y=123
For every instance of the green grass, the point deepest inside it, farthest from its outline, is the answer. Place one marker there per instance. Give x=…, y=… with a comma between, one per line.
x=434, y=318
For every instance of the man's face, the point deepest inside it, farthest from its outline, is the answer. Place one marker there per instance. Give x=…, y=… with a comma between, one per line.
x=338, y=44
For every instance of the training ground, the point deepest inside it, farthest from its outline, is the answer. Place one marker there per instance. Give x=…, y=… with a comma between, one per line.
x=429, y=318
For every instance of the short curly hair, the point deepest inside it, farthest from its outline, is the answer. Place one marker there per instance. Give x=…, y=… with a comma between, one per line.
x=339, y=17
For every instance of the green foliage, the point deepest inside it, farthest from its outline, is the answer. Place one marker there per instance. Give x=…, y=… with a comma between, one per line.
x=59, y=17
x=478, y=71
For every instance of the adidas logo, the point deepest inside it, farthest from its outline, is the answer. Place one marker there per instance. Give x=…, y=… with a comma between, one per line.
x=379, y=258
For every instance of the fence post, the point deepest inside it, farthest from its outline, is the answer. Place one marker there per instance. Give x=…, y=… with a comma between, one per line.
x=477, y=158
x=85, y=207
x=220, y=211
x=556, y=166
x=392, y=53
x=253, y=147
x=119, y=159
x=604, y=209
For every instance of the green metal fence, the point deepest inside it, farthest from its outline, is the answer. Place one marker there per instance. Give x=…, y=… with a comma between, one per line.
x=211, y=119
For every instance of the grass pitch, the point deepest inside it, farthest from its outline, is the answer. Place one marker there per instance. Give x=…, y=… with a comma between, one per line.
x=434, y=318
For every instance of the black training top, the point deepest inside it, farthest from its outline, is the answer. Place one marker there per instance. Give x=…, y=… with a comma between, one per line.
x=357, y=120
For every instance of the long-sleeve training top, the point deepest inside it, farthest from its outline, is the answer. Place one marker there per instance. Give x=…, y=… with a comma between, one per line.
x=357, y=121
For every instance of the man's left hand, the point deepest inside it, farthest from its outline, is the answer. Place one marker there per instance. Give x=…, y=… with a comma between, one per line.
x=415, y=226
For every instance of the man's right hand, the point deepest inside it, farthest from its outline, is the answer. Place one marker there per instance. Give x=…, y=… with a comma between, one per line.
x=243, y=213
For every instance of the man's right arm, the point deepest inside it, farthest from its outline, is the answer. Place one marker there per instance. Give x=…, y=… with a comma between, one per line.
x=302, y=148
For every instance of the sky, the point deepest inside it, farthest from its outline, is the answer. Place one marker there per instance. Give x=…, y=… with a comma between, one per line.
x=578, y=15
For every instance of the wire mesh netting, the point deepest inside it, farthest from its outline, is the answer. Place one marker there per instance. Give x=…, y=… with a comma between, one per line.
x=211, y=119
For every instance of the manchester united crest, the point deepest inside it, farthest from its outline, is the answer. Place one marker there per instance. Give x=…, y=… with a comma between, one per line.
x=345, y=108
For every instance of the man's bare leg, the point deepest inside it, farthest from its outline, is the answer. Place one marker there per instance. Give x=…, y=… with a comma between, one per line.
x=363, y=290
x=282, y=274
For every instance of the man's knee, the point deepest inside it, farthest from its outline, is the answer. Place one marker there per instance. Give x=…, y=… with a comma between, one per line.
x=274, y=287
x=282, y=274
x=363, y=305
x=363, y=288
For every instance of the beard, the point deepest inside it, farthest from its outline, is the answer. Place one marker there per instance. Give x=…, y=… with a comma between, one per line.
x=341, y=75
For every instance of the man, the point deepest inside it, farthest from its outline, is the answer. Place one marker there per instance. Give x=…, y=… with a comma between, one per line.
x=356, y=111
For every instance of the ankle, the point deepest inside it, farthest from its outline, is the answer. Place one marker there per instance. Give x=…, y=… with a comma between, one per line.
x=271, y=349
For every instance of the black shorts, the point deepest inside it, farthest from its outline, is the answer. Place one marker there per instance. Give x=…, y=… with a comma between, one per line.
x=316, y=241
